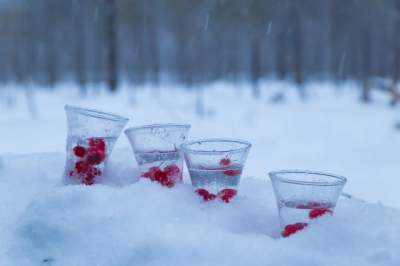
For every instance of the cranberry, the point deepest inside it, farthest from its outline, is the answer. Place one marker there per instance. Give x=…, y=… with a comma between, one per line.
x=293, y=228
x=151, y=172
x=160, y=176
x=205, y=194
x=94, y=171
x=165, y=177
x=225, y=162
x=146, y=174
x=97, y=143
x=81, y=167
x=94, y=156
x=315, y=213
x=233, y=172
x=227, y=194
x=79, y=151
x=88, y=179
x=172, y=170
x=168, y=183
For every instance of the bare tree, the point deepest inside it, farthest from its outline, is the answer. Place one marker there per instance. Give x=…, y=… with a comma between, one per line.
x=296, y=30
x=80, y=30
x=110, y=22
x=395, y=96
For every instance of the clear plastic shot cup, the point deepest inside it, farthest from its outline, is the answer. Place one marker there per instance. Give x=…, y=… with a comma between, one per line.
x=90, y=140
x=157, y=151
x=215, y=166
x=303, y=196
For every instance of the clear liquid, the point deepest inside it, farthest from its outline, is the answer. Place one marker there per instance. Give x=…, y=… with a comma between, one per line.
x=215, y=180
x=292, y=212
x=161, y=160
x=74, y=174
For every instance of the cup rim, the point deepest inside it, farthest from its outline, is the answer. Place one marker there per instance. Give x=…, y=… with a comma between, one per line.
x=246, y=145
x=279, y=176
x=96, y=113
x=151, y=126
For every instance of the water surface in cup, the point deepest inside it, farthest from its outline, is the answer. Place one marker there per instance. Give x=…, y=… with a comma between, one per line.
x=216, y=180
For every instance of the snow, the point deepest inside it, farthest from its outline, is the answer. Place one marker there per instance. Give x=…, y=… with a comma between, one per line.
x=125, y=222
x=142, y=223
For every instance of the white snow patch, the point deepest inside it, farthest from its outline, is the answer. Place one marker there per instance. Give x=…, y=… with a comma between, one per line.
x=142, y=223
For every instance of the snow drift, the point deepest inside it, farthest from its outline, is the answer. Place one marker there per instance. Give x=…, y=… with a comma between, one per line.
x=131, y=222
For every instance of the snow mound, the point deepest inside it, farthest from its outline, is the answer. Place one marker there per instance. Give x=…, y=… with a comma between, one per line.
x=142, y=223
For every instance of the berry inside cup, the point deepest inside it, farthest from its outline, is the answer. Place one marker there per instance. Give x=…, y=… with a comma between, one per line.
x=318, y=212
x=290, y=229
x=221, y=178
x=308, y=211
x=166, y=176
x=207, y=196
x=88, y=161
x=225, y=195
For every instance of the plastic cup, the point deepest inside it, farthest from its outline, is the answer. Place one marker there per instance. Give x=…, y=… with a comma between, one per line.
x=90, y=140
x=303, y=196
x=157, y=151
x=216, y=166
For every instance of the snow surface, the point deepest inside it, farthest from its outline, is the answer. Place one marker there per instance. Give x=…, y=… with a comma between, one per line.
x=125, y=222
x=141, y=223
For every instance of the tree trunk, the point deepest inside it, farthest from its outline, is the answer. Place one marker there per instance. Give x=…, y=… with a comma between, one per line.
x=395, y=96
x=80, y=48
x=111, y=44
x=366, y=63
x=297, y=51
x=255, y=65
x=281, y=51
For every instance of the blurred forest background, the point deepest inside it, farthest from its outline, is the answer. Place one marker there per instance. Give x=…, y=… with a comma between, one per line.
x=194, y=42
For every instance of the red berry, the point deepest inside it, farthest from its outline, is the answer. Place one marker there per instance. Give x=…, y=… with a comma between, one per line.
x=172, y=170
x=79, y=151
x=160, y=176
x=233, y=172
x=146, y=174
x=174, y=173
x=94, y=171
x=97, y=143
x=98, y=171
x=90, y=175
x=151, y=172
x=94, y=156
x=225, y=162
x=315, y=213
x=293, y=228
x=163, y=177
x=81, y=167
x=168, y=183
x=227, y=194
x=205, y=194
x=88, y=179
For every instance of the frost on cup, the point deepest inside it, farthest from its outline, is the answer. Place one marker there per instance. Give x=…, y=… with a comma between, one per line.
x=90, y=140
x=215, y=166
x=303, y=196
x=157, y=151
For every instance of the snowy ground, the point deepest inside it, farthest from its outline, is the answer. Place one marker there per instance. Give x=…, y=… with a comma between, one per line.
x=45, y=223
x=144, y=224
